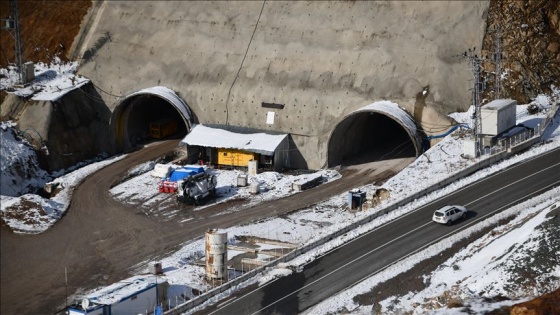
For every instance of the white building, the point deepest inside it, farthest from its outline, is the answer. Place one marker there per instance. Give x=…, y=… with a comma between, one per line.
x=132, y=296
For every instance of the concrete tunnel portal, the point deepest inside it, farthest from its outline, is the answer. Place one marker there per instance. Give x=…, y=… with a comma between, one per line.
x=379, y=131
x=133, y=115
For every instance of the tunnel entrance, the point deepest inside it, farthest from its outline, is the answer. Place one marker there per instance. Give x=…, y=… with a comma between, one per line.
x=376, y=132
x=149, y=115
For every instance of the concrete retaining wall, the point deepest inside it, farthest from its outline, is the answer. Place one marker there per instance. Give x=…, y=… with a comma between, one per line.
x=320, y=59
x=302, y=250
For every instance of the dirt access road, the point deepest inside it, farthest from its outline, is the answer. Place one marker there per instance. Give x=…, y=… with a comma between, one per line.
x=100, y=239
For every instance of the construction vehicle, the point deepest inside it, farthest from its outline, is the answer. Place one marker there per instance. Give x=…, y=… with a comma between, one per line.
x=193, y=189
x=162, y=128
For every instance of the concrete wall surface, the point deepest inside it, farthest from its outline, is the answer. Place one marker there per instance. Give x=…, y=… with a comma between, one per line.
x=321, y=59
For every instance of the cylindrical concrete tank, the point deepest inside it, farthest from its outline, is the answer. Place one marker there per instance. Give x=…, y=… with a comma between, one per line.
x=216, y=254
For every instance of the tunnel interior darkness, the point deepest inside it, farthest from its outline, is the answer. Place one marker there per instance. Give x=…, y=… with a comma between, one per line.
x=367, y=137
x=137, y=114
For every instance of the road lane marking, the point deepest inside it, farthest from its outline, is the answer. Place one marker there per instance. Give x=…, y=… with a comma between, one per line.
x=506, y=186
x=337, y=269
x=403, y=235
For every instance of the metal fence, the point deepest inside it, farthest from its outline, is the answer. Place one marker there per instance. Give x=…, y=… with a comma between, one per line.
x=178, y=305
x=520, y=139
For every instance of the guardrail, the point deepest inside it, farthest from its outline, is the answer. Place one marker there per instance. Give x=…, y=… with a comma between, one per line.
x=516, y=145
x=523, y=139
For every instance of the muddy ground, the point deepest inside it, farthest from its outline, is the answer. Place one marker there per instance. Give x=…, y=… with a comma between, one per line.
x=100, y=239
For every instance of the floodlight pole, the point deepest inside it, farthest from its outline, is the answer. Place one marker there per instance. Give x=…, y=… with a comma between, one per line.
x=478, y=118
x=497, y=58
x=476, y=62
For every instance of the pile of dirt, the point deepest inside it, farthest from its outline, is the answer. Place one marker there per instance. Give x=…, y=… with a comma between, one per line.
x=546, y=304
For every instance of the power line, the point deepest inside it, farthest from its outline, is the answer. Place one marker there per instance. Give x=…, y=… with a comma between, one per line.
x=12, y=25
x=242, y=61
x=100, y=89
x=476, y=66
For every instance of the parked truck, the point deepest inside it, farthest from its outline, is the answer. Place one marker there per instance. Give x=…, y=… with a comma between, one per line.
x=162, y=128
x=195, y=188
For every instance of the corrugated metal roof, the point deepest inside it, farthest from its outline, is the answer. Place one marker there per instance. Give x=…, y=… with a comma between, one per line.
x=261, y=143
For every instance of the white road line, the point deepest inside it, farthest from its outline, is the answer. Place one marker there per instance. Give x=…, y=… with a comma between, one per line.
x=403, y=235
x=506, y=186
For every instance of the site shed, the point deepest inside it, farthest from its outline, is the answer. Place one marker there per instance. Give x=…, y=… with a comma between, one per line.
x=498, y=116
x=136, y=295
x=237, y=146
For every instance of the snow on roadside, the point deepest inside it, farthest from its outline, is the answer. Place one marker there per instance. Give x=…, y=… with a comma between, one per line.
x=21, y=208
x=475, y=267
x=32, y=214
x=300, y=228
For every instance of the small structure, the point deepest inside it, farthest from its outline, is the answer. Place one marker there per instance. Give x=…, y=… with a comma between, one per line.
x=216, y=254
x=156, y=268
x=252, y=168
x=237, y=147
x=307, y=182
x=241, y=180
x=355, y=199
x=161, y=170
x=28, y=72
x=136, y=295
x=254, y=189
x=498, y=116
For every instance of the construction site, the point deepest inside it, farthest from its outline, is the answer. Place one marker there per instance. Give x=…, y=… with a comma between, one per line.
x=258, y=86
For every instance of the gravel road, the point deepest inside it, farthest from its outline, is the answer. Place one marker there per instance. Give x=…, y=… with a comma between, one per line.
x=100, y=239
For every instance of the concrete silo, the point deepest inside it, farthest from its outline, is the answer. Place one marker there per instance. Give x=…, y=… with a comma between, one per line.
x=216, y=254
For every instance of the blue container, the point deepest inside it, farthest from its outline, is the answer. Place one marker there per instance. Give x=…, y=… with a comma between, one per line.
x=194, y=168
x=179, y=174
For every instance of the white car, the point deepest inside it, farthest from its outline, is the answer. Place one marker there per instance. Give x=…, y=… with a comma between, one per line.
x=448, y=214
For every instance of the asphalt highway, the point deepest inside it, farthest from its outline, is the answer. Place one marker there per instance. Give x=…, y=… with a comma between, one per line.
x=387, y=244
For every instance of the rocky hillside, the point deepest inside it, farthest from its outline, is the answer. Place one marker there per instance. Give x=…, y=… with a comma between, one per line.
x=530, y=47
x=48, y=29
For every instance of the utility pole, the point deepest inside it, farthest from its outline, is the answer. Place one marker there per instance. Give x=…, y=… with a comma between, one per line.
x=497, y=58
x=12, y=25
x=476, y=64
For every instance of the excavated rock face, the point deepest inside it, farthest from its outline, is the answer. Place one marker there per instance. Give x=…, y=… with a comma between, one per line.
x=530, y=32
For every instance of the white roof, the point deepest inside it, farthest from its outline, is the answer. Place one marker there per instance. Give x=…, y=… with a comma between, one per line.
x=262, y=143
x=499, y=104
x=122, y=290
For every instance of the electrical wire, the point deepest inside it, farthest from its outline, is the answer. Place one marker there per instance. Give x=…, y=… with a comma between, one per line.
x=110, y=94
x=242, y=61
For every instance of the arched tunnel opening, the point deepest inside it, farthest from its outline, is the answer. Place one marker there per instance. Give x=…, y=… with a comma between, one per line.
x=144, y=118
x=366, y=137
